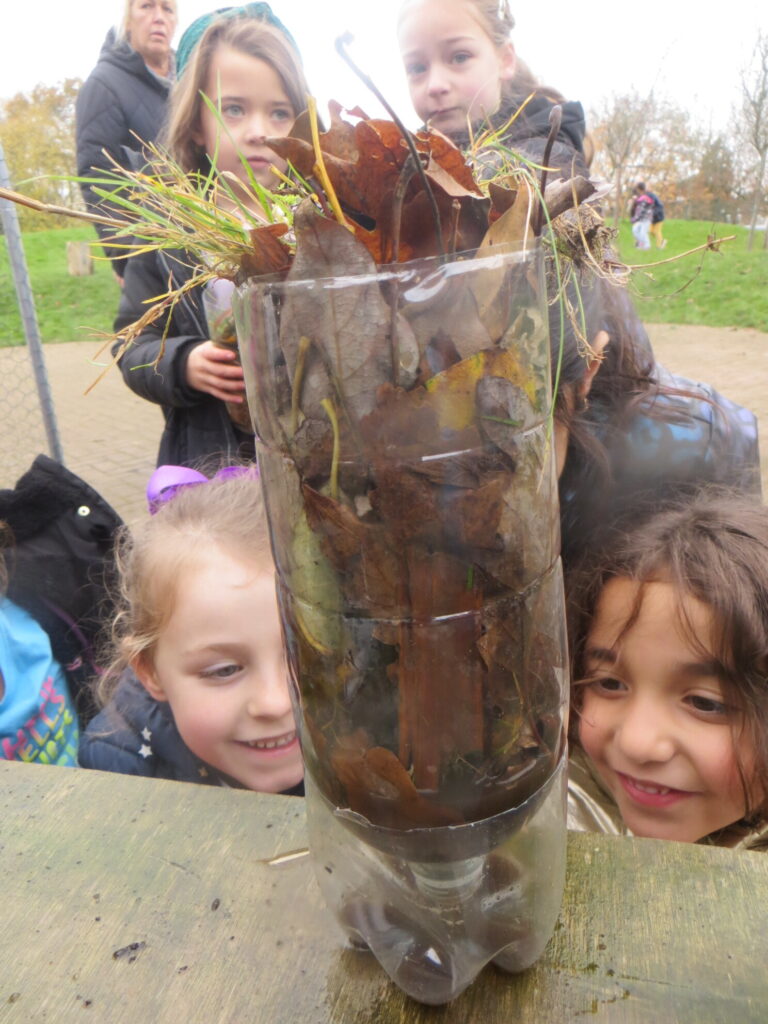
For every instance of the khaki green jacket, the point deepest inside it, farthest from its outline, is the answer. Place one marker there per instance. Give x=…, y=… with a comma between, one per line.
x=591, y=808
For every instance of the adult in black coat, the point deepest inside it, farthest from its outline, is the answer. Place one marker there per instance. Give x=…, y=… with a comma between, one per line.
x=124, y=99
x=168, y=362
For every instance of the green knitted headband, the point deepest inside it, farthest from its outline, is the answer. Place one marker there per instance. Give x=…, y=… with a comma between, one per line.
x=193, y=34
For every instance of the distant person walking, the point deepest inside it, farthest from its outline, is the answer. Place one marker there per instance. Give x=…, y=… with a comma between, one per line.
x=641, y=215
x=658, y=217
x=124, y=99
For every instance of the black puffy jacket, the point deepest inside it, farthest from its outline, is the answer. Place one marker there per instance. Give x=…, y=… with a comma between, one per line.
x=59, y=565
x=527, y=132
x=120, y=100
x=197, y=425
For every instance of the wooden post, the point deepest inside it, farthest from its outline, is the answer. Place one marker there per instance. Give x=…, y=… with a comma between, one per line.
x=79, y=259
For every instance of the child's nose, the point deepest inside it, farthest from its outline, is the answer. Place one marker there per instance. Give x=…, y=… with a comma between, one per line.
x=646, y=732
x=437, y=80
x=257, y=129
x=270, y=696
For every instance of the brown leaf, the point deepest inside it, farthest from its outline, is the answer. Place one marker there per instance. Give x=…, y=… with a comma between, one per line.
x=379, y=788
x=349, y=327
x=515, y=227
x=270, y=255
x=361, y=553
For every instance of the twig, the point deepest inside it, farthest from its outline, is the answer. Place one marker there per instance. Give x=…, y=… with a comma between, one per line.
x=555, y=119
x=61, y=211
x=330, y=412
x=711, y=245
x=298, y=381
x=341, y=42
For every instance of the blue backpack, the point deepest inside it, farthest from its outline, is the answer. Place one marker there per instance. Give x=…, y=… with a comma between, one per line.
x=658, y=208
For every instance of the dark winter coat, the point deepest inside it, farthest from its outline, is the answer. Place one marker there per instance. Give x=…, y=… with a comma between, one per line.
x=197, y=425
x=59, y=565
x=136, y=735
x=528, y=134
x=120, y=97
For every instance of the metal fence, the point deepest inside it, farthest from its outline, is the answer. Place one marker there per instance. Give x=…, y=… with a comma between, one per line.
x=27, y=416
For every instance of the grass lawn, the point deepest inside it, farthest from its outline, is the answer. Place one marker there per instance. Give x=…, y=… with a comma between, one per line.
x=718, y=289
x=725, y=289
x=68, y=308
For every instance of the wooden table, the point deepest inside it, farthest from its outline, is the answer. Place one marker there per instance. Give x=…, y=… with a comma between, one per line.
x=144, y=902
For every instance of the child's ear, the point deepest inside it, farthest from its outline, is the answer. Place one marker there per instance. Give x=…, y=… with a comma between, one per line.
x=145, y=673
x=508, y=59
x=599, y=344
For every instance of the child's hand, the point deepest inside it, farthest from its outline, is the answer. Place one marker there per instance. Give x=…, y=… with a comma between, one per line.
x=215, y=371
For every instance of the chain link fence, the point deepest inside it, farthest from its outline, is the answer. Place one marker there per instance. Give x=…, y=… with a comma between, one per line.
x=27, y=414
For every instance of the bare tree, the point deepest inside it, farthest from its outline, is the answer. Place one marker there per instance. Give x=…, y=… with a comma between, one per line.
x=752, y=125
x=652, y=138
x=620, y=131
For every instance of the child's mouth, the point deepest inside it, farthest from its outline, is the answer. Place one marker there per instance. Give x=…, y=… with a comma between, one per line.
x=649, y=794
x=273, y=743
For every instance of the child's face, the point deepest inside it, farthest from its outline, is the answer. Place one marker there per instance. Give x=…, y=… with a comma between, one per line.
x=253, y=105
x=220, y=664
x=454, y=68
x=653, y=718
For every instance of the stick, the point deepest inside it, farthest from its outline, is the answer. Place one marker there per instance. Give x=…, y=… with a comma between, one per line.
x=341, y=42
x=62, y=211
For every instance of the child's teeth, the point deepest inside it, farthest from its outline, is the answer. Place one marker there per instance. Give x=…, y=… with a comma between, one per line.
x=271, y=744
x=657, y=790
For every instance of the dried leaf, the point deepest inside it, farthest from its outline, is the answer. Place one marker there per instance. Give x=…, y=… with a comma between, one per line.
x=349, y=329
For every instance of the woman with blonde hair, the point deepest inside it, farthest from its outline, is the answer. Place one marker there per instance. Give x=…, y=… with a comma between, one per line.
x=123, y=101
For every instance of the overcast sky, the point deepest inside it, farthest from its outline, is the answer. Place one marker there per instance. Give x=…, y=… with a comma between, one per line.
x=588, y=50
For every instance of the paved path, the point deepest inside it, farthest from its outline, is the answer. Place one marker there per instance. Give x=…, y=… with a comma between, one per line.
x=109, y=436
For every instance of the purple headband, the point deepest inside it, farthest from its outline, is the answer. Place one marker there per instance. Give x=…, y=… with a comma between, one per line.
x=167, y=480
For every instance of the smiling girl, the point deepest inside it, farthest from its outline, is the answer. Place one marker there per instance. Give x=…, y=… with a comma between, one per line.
x=244, y=61
x=198, y=688
x=670, y=701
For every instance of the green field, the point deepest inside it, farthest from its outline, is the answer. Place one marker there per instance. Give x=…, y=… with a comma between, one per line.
x=68, y=308
x=725, y=289
x=719, y=289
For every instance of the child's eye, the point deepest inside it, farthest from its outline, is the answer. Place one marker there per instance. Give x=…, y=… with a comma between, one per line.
x=225, y=671
x=282, y=114
x=708, y=706
x=606, y=686
x=461, y=57
x=414, y=69
x=232, y=110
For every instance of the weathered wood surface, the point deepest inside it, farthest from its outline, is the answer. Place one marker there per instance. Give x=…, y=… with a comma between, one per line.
x=91, y=863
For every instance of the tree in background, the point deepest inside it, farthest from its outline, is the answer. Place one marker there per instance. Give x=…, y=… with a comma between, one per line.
x=752, y=128
x=641, y=138
x=619, y=131
x=37, y=130
x=711, y=191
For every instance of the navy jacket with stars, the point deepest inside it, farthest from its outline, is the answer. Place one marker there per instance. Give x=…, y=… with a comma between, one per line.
x=136, y=735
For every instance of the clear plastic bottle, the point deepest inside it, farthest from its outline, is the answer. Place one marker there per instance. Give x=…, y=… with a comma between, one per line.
x=403, y=420
x=489, y=891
